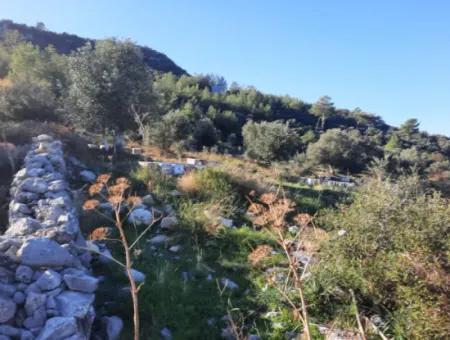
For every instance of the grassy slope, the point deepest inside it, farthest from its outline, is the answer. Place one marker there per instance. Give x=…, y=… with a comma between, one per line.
x=183, y=291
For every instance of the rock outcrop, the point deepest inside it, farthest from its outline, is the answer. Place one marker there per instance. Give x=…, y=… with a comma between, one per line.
x=46, y=287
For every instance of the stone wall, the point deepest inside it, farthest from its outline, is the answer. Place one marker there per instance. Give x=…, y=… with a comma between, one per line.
x=46, y=287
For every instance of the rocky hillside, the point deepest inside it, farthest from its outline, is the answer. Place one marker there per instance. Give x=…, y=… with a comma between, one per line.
x=66, y=43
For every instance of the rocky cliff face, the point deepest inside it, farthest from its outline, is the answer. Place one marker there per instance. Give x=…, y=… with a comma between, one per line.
x=46, y=287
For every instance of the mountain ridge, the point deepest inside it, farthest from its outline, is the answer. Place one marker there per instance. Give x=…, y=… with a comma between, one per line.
x=66, y=43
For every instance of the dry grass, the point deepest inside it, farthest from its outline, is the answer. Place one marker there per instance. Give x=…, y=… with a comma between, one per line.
x=5, y=82
x=312, y=239
x=188, y=184
x=100, y=233
x=259, y=254
x=271, y=211
x=246, y=170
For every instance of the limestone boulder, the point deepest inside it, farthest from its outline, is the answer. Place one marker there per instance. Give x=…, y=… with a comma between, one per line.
x=74, y=304
x=7, y=309
x=34, y=184
x=23, y=226
x=140, y=217
x=87, y=176
x=81, y=282
x=42, y=252
x=49, y=280
x=58, y=328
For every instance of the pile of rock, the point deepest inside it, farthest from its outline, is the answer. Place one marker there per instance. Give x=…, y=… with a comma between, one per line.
x=46, y=287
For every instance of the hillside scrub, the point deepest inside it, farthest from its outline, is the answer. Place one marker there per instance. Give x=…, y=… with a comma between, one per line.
x=391, y=247
x=108, y=85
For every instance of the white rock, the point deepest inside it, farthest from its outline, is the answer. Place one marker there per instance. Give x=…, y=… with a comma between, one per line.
x=74, y=304
x=81, y=282
x=113, y=327
x=138, y=276
x=23, y=226
x=169, y=222
x=342, y=232
x=24, y=274
x=175, y=249
x=158, y=239
x=34, y=184
x=34, y=301
x=49, y=280
x=227, y=283
x=140, y=217
x=166, y=334
x=88, y=176
x=43, y=138
x=7, y=309
x=302, y=257
x=10, y=331
x=19, y=208
x=58, y=328
x=226, y=222
x=44, y=252
x=136, y=151
x=293, y=229
x=148, y=200
x=7, y=289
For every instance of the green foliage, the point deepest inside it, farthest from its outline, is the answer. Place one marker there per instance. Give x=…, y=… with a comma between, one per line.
x=347, y=151
x=214, y=185
x=152, y=178
x=308, y=137
x=410, y=127
x=439, y=176
x=393, y=255
x=269, y=141
x=204, y=133
x=323, y=108
x=25, y=100
x=105, y=82
x=161, y=134
x=393, y=144
x=108, y=86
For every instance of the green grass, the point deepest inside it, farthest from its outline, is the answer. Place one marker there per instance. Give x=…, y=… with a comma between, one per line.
x=195, y=308
x=312, y=199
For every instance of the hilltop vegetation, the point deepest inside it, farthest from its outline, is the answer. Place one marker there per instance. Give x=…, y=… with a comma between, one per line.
x=65, y=43
x=108, y=86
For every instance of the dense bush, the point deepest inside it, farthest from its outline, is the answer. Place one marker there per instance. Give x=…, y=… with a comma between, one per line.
x=393, y=251
x=268, y=141
x=106, y=81
x=24, y=100
x=343, y=150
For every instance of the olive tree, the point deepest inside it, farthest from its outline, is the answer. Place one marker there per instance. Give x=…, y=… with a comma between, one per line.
x=107, y=81
x=268, y=141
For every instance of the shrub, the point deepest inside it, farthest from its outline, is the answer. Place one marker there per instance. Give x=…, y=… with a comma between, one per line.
x=22, y=133
x=154, y=180
x=208, y=184
x=393, y=255
x=268, y=141
x=24, y=100
x=11, y=157
x=344, y=150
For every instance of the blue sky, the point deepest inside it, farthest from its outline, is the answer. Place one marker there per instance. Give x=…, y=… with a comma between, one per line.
x=391, y=58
